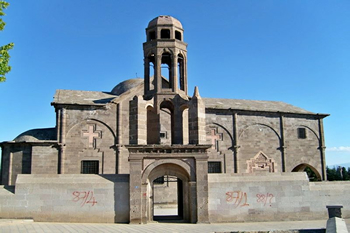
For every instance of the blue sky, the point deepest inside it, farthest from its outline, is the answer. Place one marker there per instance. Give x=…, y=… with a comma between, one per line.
x=292, y=51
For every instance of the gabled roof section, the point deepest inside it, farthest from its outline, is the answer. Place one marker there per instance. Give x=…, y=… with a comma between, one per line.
x=253, y=105
x=82, y=97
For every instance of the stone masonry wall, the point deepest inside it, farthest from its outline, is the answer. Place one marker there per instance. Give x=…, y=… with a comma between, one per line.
x=68, y=198
x=274, y=135
x=273, y=197
x=44, y=160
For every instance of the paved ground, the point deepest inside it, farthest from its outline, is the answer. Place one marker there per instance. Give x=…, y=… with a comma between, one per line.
x=8, y=225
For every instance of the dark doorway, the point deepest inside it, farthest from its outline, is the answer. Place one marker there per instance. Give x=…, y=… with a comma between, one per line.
x=168, y=199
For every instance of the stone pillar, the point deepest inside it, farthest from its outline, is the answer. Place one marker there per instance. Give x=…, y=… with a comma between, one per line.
x=174, y=74
x=158, y=72
x=335, y=223
x=197, y=120
x=202, y=190
x=135, y=191
x=62, y=140
x=282, y=143
x=322, y=149
x=137, y=122
x=334, y=211
x=235, y=143
x=193, y=201
x=147, y=77
x=178, y=127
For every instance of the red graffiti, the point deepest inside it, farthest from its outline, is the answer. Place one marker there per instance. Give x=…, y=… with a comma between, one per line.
x=84, y=197
x=238, y=197
x=265, y=199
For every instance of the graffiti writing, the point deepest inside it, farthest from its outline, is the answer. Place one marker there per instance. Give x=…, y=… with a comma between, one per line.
x=238, y=198
x=265, y=199
x=84, y=198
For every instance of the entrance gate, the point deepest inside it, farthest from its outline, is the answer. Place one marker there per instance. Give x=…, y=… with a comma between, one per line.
x=189, y=163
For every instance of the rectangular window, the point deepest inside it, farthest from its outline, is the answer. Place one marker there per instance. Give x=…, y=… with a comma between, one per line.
x=89, y=167
x=301, y=133
x=214, y=167
x=163, y=135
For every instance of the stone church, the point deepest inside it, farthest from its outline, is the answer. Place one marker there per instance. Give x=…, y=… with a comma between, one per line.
x=155, y=127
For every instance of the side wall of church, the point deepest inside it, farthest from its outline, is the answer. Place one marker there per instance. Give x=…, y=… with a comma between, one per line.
x=263, y=136
x=219, y=129
x=90, y=136
x=258, y=133
x=302, y=150
x=16, y=159
x=44, y=160
x=123, y=136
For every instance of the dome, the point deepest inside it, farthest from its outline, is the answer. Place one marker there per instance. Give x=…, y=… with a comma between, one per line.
x=126, y=85
x=165, y=20
x=34, y=135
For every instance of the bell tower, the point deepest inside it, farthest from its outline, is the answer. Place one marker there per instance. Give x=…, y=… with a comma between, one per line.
x=165, y=59
x=167, y=129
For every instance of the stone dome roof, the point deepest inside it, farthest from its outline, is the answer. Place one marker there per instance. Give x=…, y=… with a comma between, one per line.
x=165, y=20
x=34, y=135
x=126, y=85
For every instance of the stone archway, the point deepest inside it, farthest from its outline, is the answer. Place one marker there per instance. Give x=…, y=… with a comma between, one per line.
x=183, y=191
x=189, y=163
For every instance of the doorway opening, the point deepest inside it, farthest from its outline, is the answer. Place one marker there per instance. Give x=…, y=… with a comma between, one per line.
x=167, y=199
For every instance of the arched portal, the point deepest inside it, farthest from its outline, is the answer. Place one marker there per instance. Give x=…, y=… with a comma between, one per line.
x=180, y=179
x=311, y=172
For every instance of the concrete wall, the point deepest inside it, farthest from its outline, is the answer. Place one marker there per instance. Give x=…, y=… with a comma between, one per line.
x=232, y=198
x=273, y=197
x=68, y=198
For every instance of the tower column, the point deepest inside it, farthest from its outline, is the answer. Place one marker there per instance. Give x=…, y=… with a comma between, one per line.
x=158, y=71
x=174, y=73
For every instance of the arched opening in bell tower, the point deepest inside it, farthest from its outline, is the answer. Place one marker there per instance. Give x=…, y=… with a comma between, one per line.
x=181, y=71
x=150, y=61
x=166, y=71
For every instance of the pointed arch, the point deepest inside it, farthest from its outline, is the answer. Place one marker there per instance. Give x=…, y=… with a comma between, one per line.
x=240, y=134
x=311, y=172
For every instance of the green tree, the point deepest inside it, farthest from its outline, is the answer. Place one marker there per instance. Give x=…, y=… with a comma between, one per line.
x=4, y=54
x=311, y=174
x=331, y=174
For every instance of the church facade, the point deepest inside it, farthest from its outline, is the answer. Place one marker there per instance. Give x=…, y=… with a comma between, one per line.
x=153, y=127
